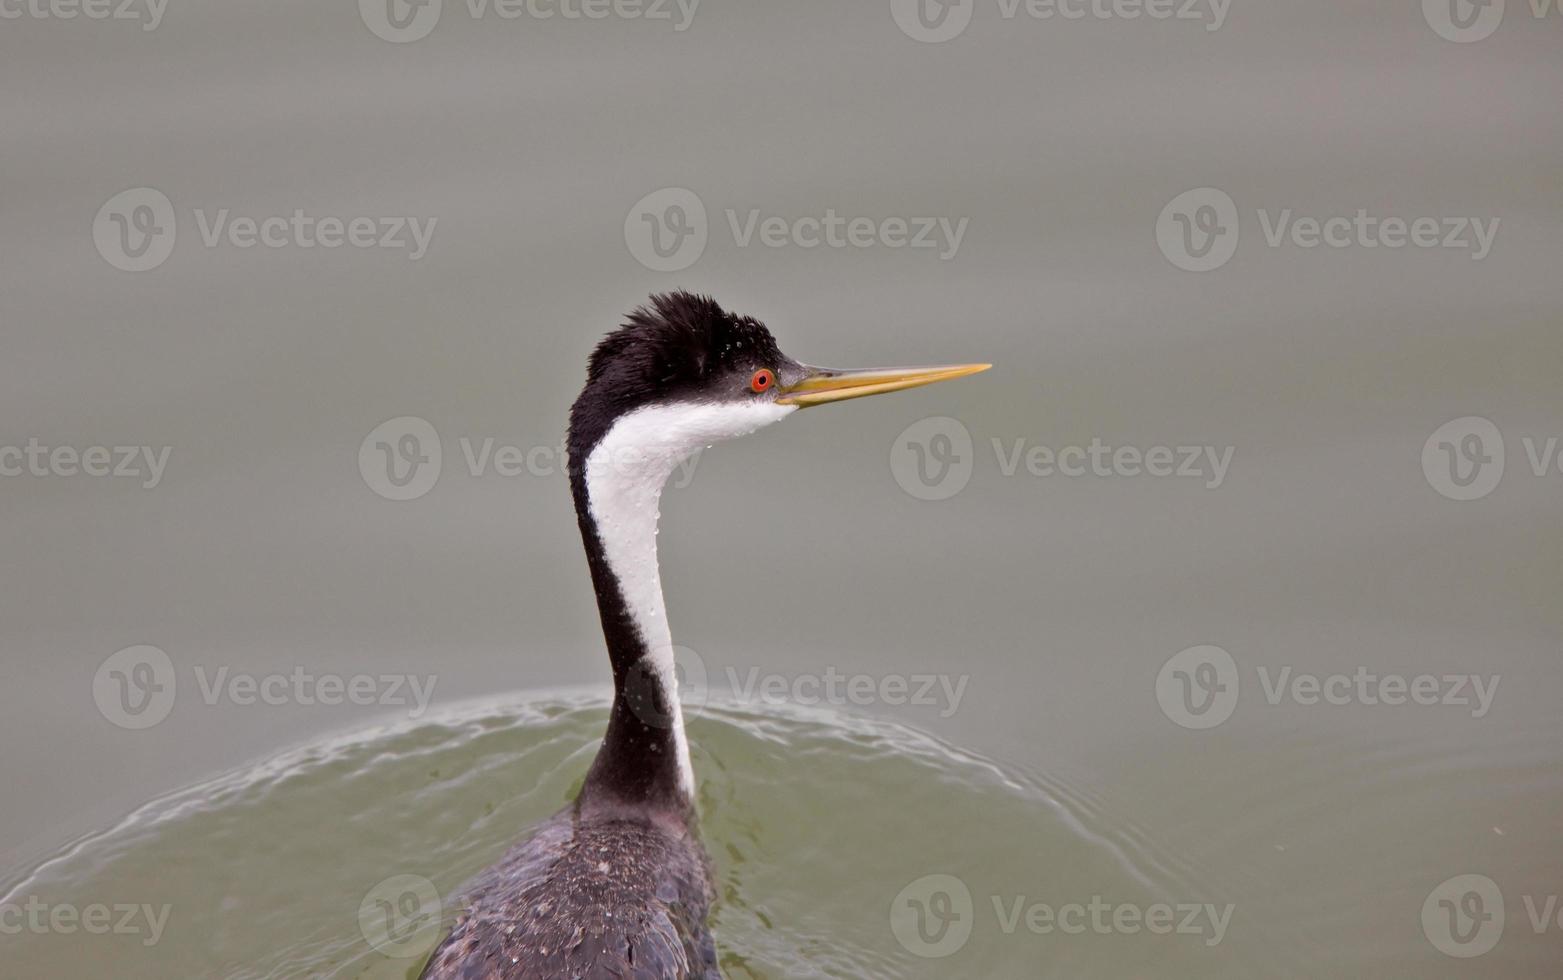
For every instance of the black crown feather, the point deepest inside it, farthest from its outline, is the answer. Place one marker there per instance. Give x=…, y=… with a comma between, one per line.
x=678, y=345
x=680, y=337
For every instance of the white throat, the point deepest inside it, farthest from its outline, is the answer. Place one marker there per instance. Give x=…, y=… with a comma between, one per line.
x=625, y=474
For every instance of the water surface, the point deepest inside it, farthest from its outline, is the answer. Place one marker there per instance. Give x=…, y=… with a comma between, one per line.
x=823, y=828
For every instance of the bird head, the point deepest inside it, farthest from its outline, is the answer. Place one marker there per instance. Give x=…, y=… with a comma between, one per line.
x=685, y=373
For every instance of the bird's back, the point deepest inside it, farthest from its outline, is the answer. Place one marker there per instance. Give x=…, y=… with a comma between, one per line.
x=611, y=895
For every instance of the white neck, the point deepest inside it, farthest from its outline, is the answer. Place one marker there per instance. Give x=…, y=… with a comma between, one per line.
x=625, y=474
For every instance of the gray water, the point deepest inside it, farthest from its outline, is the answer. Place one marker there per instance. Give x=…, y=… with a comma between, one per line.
x=428, y=804
x=1329, y=556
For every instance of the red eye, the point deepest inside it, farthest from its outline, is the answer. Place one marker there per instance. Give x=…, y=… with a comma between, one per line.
x=762, y=380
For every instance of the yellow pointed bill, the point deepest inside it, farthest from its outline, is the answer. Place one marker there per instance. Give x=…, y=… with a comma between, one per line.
x=823, y=385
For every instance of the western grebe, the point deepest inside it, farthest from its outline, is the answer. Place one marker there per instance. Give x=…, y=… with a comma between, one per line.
x=617, y=884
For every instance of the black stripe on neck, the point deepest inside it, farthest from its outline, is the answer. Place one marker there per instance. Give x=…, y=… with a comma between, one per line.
x=638, y=762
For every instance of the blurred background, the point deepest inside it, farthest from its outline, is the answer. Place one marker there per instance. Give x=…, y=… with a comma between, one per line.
x=1129, y=212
